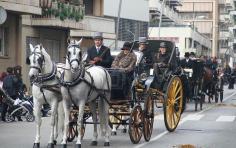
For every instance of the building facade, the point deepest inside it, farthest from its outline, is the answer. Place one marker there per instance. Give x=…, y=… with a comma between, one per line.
x=51, y=22
x=203, y=16
x=172, y=27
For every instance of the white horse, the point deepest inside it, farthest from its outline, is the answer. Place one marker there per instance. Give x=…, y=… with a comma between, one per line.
x=85, y=84
x=45, y=89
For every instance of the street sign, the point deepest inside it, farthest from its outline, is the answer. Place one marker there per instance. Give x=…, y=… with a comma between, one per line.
x=3, y=15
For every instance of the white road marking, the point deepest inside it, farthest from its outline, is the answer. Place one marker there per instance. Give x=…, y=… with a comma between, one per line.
x=181, y=122
x=194, y=117
x=225, y=119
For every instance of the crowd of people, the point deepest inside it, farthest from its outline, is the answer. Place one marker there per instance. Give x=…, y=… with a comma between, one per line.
x=12, y=83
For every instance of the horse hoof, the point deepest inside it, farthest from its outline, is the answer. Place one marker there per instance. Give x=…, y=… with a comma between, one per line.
x=64, y=146
x=36, y=145
x=50, y=145
x=94, y=143
x=106, y=143
x=54, y=142
x=113, y=133
x=78, y=145
x=124, y=130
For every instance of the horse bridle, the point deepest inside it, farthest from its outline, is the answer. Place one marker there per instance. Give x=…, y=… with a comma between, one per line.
x=68, y=54
x=40, y=60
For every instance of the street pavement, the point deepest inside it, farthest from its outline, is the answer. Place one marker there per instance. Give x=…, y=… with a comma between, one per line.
x=213, y=127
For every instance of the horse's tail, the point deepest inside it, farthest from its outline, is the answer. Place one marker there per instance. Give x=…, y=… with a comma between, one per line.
x=61, y=117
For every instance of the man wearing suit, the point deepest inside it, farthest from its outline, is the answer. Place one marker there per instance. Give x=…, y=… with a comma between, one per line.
x=99, y=54
x=187, y=62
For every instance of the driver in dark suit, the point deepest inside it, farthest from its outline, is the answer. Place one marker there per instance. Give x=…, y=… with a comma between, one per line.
x=187, y=62
x=99, y=54
x=161, y=62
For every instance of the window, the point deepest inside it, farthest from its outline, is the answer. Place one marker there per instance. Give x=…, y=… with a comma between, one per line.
x=88, y=7
x=3, y=41
x=138, y=28
x=53, y=49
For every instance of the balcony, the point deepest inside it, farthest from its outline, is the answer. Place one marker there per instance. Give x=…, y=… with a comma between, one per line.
x=221, y=2
x=174, y=2
x=224, y=18
x=229, y=4
x=60, y=14
x=169, y=15
x=224, y=35
x=22, y=6
x=93, y=24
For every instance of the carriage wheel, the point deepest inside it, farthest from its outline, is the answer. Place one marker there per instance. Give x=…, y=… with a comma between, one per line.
x=135, y=124
x=148, y=118
x=173, y=103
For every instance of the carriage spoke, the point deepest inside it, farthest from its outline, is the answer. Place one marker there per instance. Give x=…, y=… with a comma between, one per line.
x=176, y=99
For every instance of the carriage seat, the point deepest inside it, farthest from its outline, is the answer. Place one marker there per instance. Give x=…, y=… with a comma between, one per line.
x=121, y=84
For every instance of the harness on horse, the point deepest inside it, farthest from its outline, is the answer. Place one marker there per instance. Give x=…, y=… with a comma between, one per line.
x=40, y=79
x=81, y=78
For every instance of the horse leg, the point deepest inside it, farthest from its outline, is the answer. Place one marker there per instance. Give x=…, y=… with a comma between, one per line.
x=103, y=116
x=66, y=107
x=54, y=106
x=92, y=106
x=113, y=120
x=79, y=122
x=38, y=120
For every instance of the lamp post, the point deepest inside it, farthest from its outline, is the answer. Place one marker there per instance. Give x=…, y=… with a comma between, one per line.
x=160, y=21
x=117, y=25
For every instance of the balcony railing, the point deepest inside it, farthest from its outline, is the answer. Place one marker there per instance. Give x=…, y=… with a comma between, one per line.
x=22, y=6
x=61, y=10
x=23, y=2
x=156, y=6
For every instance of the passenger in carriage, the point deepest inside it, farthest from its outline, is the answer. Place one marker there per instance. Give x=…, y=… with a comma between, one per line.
x=99, y=54
x=147, y=59
x=126, y=59
x=162, y=59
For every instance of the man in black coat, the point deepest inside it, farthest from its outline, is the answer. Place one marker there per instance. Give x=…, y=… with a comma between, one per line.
x=161, y=63
x=147, y=53
x=187, y=62
x=99, y=54
x=146, y=63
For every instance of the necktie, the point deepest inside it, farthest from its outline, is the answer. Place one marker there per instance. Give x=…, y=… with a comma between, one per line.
x=97, y=50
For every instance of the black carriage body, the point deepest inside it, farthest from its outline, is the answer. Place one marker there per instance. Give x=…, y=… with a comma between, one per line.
x=121, y=82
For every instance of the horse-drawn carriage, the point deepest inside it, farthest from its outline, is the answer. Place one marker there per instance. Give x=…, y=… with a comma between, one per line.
x=203, y=81
x=134, y=95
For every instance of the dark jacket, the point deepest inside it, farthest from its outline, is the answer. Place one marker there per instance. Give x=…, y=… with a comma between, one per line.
x=147, y=57
x=186, y=64
x=10, y=85
x=163, y=58
x=104, y=53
